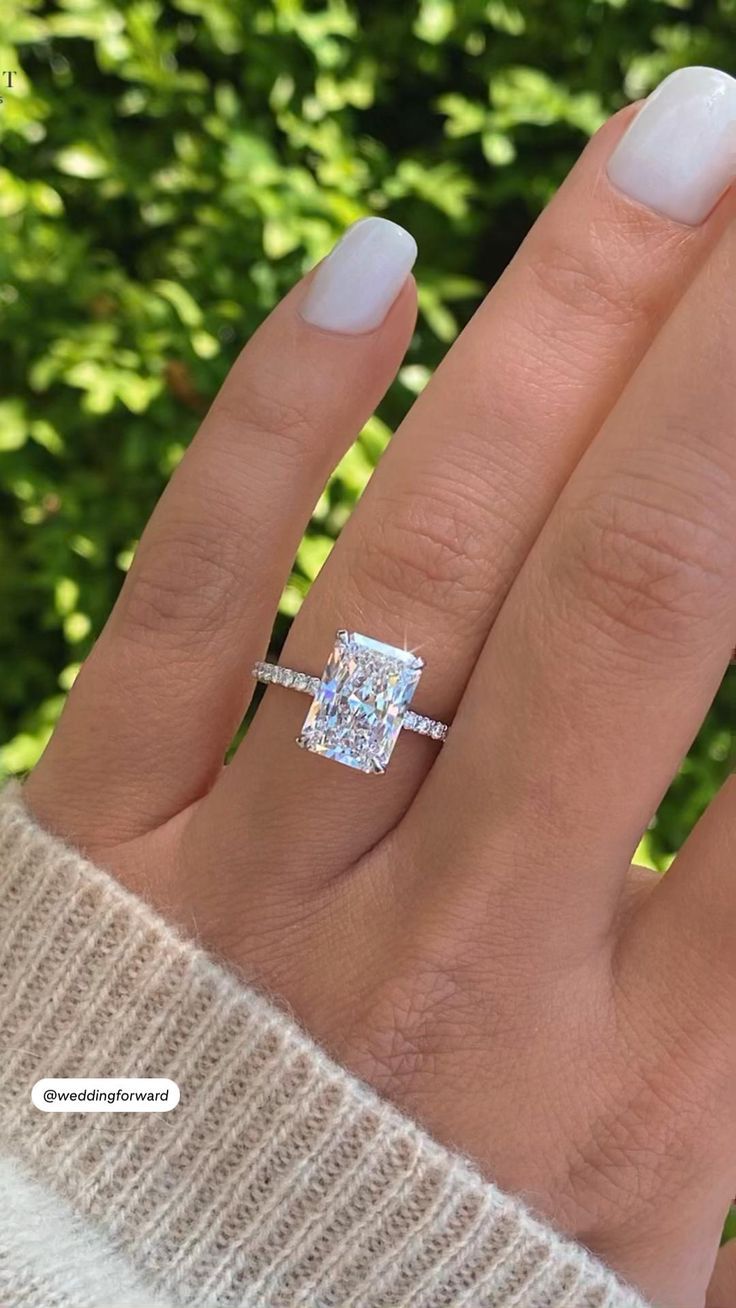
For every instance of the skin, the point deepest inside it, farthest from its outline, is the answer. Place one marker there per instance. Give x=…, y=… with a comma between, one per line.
x=722, y=1289
x=553, y=528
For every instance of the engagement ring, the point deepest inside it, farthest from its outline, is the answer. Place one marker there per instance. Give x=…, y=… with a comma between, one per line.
x=360, y=703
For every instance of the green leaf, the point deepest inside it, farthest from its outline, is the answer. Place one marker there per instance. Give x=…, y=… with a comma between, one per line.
x=729, y=1230
x=13, y=194
x=22, y=753
x=435, y=21
x=77, y=627
x=82, y=160
x=312, y=554
x=292, y=597
x=67, y=595
x=181, y=300
x=14, y=429
x=498, y=148
x=464, y=117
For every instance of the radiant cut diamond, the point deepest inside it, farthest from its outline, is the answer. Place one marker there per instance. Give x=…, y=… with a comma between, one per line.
x=359, y=705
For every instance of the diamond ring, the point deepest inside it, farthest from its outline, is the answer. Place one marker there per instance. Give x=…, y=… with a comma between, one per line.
x=360, y=703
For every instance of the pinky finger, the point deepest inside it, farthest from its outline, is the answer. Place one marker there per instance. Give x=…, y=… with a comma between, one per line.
x=722, y=1289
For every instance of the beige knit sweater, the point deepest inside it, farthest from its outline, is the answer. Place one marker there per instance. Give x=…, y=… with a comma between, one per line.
x=278, y=1182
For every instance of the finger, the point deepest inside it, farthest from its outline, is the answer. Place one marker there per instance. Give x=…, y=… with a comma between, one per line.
x=457, y=502
x=722, y=1289
x=693, y=912
x=614, y=638
x=677, y=953
x=155, y=706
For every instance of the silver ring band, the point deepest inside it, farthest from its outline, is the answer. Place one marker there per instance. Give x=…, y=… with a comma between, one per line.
x=273, y=674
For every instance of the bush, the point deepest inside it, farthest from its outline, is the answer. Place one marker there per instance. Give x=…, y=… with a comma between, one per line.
x=170, y=167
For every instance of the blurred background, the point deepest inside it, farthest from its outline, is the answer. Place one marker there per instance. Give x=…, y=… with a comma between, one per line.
x=168, y=168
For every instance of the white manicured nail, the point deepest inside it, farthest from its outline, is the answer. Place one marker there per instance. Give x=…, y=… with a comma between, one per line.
x=355, y=286
x=679, y=154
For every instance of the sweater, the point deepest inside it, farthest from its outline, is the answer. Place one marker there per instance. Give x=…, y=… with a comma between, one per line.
x=279, y=1180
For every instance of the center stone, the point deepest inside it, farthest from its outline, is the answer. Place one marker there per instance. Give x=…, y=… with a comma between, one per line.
x=357, y=713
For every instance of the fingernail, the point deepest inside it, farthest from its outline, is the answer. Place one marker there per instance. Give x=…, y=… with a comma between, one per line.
x=679, y=154
x=355, y=286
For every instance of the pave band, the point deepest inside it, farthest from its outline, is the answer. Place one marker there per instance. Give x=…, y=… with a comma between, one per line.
x=273, y=674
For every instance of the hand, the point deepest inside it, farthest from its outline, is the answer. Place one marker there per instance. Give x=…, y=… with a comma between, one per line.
x=554, y=529
x=722, y=1289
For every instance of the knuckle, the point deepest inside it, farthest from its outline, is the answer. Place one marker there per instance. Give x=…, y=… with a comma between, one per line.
x=428, y=548
x=270, y=411
x=625, y=1161
x=590, y=281
x=185, y=581
x=180, y=590
x=642, y=568
x=402, y=1034
x=655, y=1129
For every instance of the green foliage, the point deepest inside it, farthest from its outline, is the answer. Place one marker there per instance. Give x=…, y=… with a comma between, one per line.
x=170, y=167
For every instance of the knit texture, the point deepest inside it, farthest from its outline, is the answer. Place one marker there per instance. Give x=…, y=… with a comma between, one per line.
x=50, y=1256
x=280, y=1181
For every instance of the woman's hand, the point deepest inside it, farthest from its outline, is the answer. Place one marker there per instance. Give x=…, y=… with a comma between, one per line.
x=722, y=1289
x=554, y=529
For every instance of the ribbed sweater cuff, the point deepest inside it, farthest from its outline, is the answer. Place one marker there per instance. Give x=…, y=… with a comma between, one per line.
x=279, y=1181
